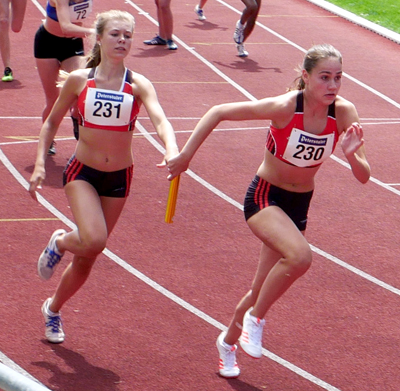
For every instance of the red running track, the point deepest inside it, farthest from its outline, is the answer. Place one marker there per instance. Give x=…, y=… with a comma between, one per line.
x=149, y=316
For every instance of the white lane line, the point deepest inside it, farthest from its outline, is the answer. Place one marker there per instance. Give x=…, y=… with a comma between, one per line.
x=157, y=286
x=272, y=356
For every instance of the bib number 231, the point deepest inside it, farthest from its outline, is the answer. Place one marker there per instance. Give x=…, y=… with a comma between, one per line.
x=104, y=107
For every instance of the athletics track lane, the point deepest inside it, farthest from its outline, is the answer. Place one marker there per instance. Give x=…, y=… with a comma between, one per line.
x=124, y=335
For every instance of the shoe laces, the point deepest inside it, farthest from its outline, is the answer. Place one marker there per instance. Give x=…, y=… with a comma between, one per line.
x=52, y=258
x=159, y=39
x=238, y=34
x=54, y=322
x=255, y=330
x=7, y=71
x=239, y=30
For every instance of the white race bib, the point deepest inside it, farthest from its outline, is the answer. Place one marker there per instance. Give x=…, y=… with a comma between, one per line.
x=305, y=149
x=80, y=11
x=108, y=108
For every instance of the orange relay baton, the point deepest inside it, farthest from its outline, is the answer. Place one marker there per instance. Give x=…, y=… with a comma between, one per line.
x=172, y=196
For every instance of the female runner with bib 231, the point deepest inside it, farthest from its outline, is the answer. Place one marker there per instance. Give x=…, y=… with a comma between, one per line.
x=98, y=176
x=305, y=127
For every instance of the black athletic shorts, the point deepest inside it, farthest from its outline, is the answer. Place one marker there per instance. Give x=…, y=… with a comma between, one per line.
x=50, y=46
x=261, y=194
x=108, y=184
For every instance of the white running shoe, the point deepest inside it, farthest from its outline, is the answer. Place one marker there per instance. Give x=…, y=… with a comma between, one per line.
x=199, y=13
x=172, y=45
x=241, y=50
x=238, y=34
x=50, y=257
x=54, y=332
x=251, y=337
x=227, y=358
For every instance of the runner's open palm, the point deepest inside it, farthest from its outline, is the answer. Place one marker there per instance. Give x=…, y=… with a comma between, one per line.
x=353, y=139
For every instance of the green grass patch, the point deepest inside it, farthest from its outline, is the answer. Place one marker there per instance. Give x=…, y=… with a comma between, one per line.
x=383, y=12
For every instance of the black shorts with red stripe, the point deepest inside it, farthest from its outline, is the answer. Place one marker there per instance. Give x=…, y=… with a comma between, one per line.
x=107, y=184
x=261, y=194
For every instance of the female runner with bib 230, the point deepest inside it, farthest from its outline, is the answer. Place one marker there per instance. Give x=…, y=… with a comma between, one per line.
x=98, y=176
x=305, y=127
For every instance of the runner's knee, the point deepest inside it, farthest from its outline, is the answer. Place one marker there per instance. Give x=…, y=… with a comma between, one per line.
x=299, y=261
x=252, y=7
x=93, y=246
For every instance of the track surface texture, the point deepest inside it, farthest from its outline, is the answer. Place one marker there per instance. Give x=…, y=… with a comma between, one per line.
x=158, y=297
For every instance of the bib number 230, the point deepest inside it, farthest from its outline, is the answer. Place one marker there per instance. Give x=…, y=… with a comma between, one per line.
x=309, y=153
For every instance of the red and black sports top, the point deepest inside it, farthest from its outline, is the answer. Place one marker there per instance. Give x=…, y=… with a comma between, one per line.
x=108, y=109
x=295, y=146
